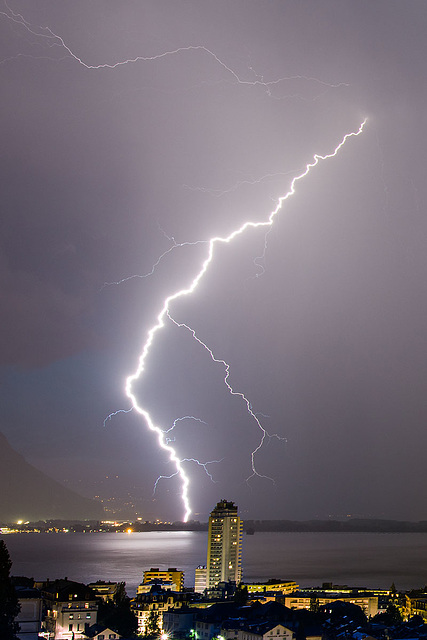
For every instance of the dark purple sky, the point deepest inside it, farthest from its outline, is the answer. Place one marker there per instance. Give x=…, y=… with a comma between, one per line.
x=102, y=167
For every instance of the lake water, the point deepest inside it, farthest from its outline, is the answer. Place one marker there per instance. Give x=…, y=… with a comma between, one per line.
x=356, y=559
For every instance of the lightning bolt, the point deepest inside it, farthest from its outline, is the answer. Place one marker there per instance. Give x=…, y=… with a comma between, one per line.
x=114, y=413
x=204, y=465
x=259, y=261
x=175, y=245
x=54, y=40
x=172, y=475
x=264, y=433
x=164, y=314
x=218, y=193
x=180, y=420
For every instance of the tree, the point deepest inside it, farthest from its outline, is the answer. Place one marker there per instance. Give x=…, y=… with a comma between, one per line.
x=120, y=597
x=9, y=604
x=391, y=617
x=241, y=595
x=118, y=614
x=152, y=628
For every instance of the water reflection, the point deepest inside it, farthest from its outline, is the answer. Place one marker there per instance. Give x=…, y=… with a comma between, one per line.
x=357, y=559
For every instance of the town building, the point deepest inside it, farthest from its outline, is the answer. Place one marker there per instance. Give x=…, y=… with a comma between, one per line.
x=147, y=586
x=106, y=591
x=200, y=579
x=150, y=607
x=101, y=632
x=208, y=622
x=172, y=575
x=312, y=600
x=30, y=615
x=221, y=591
x=415, y=605
x=71, y=609
x=256, y=631
x=278, y=587
x=232, y=622
x=224, y=560
x=178, y=623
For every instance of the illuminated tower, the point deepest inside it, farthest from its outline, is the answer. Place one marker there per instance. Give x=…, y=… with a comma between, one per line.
x=224, y=545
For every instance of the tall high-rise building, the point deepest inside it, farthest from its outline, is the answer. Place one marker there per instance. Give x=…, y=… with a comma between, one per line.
x=224, y=545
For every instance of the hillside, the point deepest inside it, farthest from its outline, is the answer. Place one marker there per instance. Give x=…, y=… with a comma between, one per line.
x=28, y=494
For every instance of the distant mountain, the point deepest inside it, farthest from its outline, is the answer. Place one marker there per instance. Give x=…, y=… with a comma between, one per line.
x=365, y=525
x=28, y=494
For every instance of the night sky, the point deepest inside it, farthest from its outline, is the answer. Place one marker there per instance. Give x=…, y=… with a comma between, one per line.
x=106, y=165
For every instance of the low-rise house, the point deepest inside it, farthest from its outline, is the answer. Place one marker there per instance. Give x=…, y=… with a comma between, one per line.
x=100, y=632
x=229, y=621
x=29, y=617
x=179, y=623
x=256, y=631
x=71, y=608
x=255, y=622
x=208, y=622
x=415, y=606
x=106, y=591
x=312, y=600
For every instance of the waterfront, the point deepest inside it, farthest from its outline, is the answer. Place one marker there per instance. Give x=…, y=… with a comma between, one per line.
x=357, y=559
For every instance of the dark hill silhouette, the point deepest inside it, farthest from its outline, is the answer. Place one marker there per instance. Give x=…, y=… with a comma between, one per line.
x=28, y=494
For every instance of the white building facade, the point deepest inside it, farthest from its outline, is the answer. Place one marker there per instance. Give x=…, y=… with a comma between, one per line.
x=224, y=561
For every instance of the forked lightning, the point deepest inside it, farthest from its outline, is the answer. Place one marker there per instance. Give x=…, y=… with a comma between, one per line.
x=164, y=314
